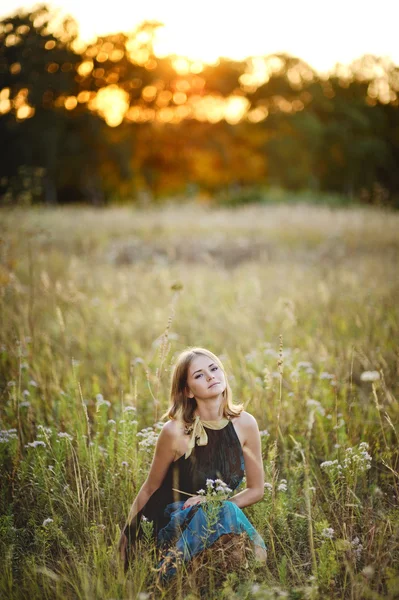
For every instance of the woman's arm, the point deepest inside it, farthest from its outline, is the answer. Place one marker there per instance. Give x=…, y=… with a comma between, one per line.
x=253, y=463
x=163, y=456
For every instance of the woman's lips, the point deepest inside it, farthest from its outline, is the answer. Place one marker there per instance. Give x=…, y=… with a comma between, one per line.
x=216, y=383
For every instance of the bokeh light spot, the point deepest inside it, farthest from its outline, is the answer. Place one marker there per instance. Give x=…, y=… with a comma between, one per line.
x=53, y=67
x=149, y=93
x=179, y=98
x=85, y=68
x=15, y=68
x=102, y=57
x=25, y=112
x=71, y=102
x=112, y=103
x=181, y=65
x=83, y=97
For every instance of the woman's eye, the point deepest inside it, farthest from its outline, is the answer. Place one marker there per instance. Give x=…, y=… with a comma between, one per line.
x=214, y=368
x=197, y=376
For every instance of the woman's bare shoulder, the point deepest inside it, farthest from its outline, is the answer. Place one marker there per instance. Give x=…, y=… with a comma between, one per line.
x=173, y=429
x=246, y=427
x=245, y=419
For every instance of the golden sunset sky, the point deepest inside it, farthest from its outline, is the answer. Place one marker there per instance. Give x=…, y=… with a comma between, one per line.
x=321, y=33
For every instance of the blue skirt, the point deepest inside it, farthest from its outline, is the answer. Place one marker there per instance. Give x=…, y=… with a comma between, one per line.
x=193, y=529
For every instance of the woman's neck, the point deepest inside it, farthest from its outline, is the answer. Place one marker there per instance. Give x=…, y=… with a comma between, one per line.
x=210, y=410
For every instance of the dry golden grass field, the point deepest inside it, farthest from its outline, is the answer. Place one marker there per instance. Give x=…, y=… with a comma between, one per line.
x=301, y=302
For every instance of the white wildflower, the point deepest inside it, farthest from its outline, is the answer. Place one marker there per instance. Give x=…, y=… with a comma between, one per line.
x=304, y=364
x=357, y=548
x=282, y=486
x=124, y=463
x=101, y=402
x=268, y=486
x=137, y=361
x=32, y=383
x=8, y=434
x=24, y=404
x=370, y=376
x=37, y=443
x=316, y=405
x=328, y=464
x=149, y=438
x=368, y=571
x=130, y=409
x=328, y=533
x=201, y=492
x=64, y=435
x=111, y=422
x=325, y=375
x=264, y=433
x=358, y=459
x=44, y=430
x=47, y=521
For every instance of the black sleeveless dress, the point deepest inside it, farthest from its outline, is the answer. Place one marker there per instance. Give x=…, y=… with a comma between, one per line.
x=221, y=458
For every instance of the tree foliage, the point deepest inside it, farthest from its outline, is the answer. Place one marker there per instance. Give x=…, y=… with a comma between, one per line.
x=113, y=121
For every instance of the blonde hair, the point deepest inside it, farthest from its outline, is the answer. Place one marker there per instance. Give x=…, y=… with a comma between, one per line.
x=182, y=407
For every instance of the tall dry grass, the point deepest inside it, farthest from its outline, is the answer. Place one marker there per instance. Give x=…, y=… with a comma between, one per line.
x=300, y=302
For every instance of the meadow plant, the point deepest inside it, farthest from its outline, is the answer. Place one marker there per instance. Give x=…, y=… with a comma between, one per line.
x=94, y=307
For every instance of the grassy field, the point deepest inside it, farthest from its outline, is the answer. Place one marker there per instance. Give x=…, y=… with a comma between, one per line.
x=301, y=303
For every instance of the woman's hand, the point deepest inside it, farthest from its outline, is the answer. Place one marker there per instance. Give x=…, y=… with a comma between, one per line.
x=193, y=500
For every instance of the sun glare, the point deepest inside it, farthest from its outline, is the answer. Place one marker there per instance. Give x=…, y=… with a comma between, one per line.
x=112, y=103
x=202, y=35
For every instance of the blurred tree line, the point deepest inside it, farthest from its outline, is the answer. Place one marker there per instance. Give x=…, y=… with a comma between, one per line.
x=111, y=121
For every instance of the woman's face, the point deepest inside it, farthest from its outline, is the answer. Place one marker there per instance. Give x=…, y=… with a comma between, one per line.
x=205, y=379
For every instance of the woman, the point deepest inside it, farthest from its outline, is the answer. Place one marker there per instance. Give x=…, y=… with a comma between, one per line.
x=207, y=438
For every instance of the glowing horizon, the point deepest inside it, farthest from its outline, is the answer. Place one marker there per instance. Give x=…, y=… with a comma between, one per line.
x=212, y=29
